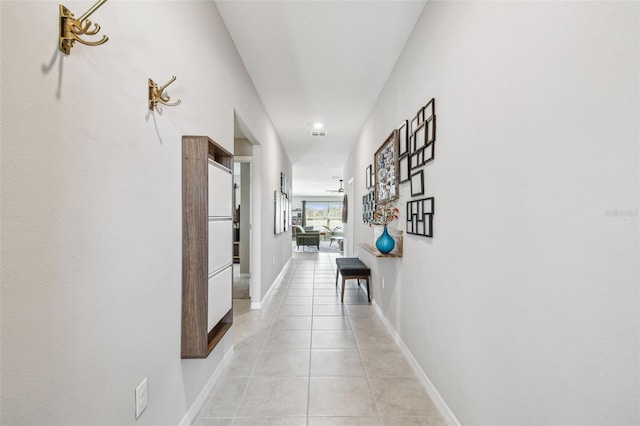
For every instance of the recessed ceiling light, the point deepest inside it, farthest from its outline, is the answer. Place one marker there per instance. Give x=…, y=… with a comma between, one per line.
x=318, y=125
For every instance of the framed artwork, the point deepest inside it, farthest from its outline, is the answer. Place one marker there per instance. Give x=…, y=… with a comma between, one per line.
x=386, y=169
x=404, y=169
x=417, y=183
x=430, y=133
x=368, y=207
x=419, y=139
x=345, y=209
x=430, y=109
x=286, y=212
x=403, y=138
x=420, y=217
x=368, y=177
x=421, y=156
x=282, y=212
x=284, y=184
x=415, y=121
x=277, y=212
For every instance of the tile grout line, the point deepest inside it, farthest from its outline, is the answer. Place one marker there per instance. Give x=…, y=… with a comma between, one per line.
x=313, y=295
x=366, y=374
x=251, y=376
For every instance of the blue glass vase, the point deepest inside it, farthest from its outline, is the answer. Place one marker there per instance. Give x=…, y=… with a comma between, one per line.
x=385, y=243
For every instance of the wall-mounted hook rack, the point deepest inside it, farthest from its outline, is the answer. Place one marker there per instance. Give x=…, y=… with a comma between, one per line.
x=71, y=29
x=155, y=94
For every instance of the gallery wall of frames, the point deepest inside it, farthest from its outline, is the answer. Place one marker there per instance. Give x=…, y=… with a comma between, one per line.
x=282, y=206
x=401, y=160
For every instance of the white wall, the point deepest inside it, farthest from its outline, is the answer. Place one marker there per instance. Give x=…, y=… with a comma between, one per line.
x=523, y=308
x=91, y=205
x=275, y=250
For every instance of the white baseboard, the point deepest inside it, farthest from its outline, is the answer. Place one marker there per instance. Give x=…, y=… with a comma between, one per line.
x=195, y=408
x=433, y=393
x=258, y=305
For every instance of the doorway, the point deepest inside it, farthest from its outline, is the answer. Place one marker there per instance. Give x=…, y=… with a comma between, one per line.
x=350, y=225
x=242, y=228
x=242, y=176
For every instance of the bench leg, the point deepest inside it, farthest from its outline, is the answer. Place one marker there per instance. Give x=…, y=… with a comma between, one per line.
x=337, y=273
x=368, y=292
x=343, y=285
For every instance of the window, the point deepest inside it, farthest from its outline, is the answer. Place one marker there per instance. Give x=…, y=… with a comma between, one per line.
x=323, y=213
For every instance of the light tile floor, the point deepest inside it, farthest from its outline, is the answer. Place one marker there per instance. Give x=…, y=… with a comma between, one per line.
x=305, y=359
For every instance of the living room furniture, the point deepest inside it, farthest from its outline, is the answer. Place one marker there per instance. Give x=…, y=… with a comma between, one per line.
x=336, y=234
x=306, y=238
x=339, y=239
x=352, y=268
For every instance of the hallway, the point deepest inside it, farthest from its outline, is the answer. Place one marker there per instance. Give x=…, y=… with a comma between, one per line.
x=306, y=359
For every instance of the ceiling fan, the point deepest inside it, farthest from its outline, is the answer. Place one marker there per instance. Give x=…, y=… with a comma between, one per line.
x=339, y=190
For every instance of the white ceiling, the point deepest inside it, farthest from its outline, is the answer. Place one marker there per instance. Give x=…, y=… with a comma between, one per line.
x=324, y=61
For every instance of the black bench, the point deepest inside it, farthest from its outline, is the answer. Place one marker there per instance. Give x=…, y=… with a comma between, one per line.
x=352, y=268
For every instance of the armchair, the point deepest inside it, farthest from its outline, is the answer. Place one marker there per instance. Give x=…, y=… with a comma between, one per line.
x=306, y=238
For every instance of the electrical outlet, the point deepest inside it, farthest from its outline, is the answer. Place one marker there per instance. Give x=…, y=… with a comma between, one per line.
x=273, y=262
x=382, y=282
x=142, y=397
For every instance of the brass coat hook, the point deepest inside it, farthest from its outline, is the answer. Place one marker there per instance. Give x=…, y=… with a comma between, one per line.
x=155, y=94
x=71, y=29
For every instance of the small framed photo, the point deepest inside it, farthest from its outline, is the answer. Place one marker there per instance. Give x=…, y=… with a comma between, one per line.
x=368, y=177
x=368, y=207
x=417, y=183
x=430, y=109
x=277, y=208
x=414, y=124
x=403, y=138
x=421, y=156
x=415, y=159
x=403, y=165
x=430, y=125
x=420, y=138
x=428, y=153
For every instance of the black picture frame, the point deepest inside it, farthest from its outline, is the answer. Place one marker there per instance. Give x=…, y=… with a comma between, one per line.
x=414, y=124
x=430, y=133
x=403, y=138
x=420, y=217
x=284, y=183
x=368, y=207
x=422, y=156
x=430, y=109
x=420, y=116
x=417, y=183
x=417, y=120
x=419, y=139
x=277, y=212
x=404, y=169
x=368, y=176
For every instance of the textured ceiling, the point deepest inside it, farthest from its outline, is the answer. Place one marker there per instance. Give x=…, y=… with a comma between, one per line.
x=321, y=61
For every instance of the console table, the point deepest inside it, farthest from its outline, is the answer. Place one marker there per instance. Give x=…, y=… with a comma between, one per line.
x=396, y=252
